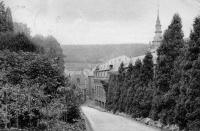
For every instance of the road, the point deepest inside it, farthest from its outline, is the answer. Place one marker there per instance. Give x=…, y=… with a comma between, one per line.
x=103, y=121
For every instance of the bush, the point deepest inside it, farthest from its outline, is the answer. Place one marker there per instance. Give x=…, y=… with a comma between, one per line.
x=73, y=113
x=42, y=126
x=63, y=116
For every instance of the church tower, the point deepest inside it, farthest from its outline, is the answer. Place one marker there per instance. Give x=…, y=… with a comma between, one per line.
x=158, y=34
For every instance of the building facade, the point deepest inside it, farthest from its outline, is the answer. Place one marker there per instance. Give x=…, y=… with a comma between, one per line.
x=80, y=79
x=102, y=71
x=90, y=87
x=98, y=89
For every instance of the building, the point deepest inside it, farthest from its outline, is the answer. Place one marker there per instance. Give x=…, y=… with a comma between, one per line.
x=90, y=87
x=103, y=71
x=80, y=79
x=22, y=28
x=158, y=35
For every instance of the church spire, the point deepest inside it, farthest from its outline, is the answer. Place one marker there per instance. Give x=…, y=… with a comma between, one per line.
x=158, y=25
x=158, y=31
x=158, y=19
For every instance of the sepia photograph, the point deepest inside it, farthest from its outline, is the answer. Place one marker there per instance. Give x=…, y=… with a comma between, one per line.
x=99, y=65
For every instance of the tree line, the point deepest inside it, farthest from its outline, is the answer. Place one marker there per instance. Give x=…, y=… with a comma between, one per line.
x=169, y=90
x=35, y=94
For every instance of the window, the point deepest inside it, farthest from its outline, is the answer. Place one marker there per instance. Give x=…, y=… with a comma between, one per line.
x=95, y=90
x=98, y=90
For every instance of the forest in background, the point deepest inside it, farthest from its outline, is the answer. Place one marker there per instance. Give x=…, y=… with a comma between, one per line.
x=95, y=54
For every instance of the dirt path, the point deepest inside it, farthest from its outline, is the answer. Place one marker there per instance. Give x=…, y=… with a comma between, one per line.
x=103, y=121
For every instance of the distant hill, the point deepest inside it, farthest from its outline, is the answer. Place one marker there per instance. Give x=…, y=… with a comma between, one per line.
x=99, y=53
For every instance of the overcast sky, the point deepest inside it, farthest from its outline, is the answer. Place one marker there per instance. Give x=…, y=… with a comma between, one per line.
x=101, y=21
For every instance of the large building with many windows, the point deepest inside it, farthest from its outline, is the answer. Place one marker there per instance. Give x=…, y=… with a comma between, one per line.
x=102, y=71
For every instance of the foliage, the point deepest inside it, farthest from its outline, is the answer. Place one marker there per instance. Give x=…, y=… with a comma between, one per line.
x=52, y=49
x=72, y=114
x=168, y=52
x=188, y=103
x=169, y=92
x=6, y=23
x=17, y=42
x=130, y=102
x=33, y=87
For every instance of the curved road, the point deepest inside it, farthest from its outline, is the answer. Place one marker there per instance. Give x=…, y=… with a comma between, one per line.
x=103, y=121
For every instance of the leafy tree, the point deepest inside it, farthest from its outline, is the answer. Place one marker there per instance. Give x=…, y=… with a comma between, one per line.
x=41, y=71
x=17, y=42
x=52, y=49
x=33, y=88
x=9, y=20
x=3, y=25
x=6, y=23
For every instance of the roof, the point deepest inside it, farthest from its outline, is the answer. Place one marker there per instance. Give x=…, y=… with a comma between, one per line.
x=115, y=62
x=134, y=59
x=126, y=60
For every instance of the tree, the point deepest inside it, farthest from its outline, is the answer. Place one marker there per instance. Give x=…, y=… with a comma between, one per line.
x=52, y=49
x=17, y=43
x=168, y=52
x=112, y=84
x=9, y=20
x=120, y=88
x=147, y=73
x=33, y=87
x=41, y=71
x=6, y=23
x=145, y=89
x=187, y=106
x=130, y=102
x=143, y=95
x=126, y=84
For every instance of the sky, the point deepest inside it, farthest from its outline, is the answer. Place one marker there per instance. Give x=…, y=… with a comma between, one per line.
x=101, y=21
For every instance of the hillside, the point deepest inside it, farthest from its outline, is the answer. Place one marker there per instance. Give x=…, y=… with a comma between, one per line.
x=99, y=53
